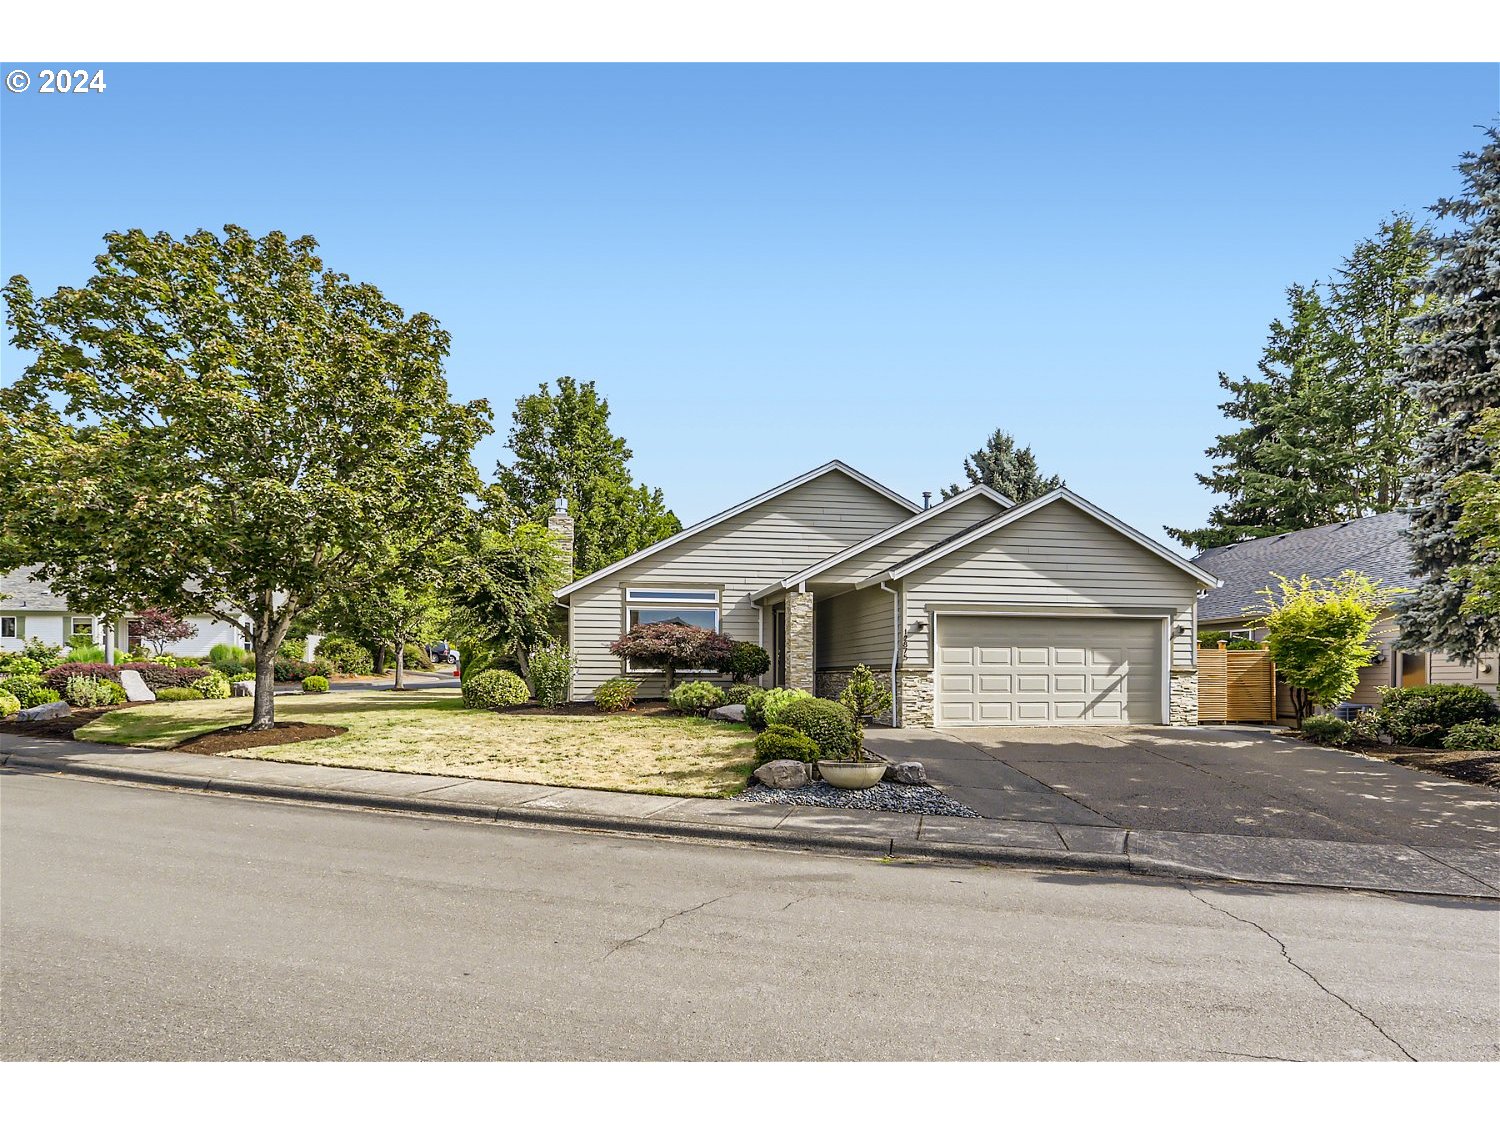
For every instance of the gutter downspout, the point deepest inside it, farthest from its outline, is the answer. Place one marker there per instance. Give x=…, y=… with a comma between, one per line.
x=895, y=653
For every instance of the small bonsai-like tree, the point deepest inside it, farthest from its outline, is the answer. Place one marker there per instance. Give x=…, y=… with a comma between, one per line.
x=161, y=628
x=864, y=697
x=671, y=646
x=1318, y=634
x=746, y=661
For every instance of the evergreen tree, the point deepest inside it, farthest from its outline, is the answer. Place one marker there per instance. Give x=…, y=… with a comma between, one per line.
x=563, y=447
x=1010, y=471
x=1453, y=368
x=1326, y=435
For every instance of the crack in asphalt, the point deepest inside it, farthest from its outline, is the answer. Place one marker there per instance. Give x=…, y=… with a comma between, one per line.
x=1281, y=945
x=1243, y=1055
x=651, y=930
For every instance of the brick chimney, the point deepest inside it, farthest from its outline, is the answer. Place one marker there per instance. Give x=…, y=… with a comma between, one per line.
x=560, y=524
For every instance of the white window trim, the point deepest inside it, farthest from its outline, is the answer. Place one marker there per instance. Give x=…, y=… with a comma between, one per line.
x=661, y=597
x=73, y=627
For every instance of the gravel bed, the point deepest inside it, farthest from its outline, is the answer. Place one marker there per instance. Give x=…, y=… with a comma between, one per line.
x=885, y=797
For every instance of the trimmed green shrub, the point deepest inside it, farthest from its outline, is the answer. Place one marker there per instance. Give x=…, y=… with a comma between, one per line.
x=177, y=695
x=19, y=665
x=769, y=708
x=1421, y=716
x=291, y=649
x=215, y=685
x=315, y=685
x=87, y=653
x=696, y=697
x=1328, y=730
x=92, y=691
x=495, y=688
x=9, y=705
x=349, y=658
x=227, y=653
x=745, y=661
x=740, y=693
x=30, y=691
x=1473, y=736
x=551, y=674
x=827, y=723
x=617, y=694
x=784, y=742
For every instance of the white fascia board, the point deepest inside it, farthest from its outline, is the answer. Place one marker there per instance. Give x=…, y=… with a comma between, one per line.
x=730, y=513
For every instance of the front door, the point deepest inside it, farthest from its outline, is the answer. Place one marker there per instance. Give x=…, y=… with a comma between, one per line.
x=778, y=647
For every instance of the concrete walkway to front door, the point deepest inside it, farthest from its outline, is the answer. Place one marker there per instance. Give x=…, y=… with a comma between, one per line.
x=1211, y=780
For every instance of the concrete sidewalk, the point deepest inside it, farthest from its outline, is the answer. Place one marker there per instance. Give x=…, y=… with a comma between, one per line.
x=1470, y=872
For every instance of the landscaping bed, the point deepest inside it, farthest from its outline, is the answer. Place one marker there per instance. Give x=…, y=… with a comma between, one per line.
x=239, y=738
x=1482, y=767
x=885, y=797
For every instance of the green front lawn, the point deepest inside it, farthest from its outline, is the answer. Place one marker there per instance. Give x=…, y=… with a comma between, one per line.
x=419, y=733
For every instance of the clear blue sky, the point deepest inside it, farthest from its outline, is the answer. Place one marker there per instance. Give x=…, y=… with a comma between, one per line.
x=765, y=267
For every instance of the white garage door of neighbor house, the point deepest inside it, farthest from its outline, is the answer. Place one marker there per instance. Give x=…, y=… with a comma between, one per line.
x=1048, y=670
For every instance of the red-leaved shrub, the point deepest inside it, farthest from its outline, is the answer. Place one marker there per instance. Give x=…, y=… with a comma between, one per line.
x=155, y=675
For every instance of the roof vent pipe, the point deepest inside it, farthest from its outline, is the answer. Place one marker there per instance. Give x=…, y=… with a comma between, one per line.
x=926, y=500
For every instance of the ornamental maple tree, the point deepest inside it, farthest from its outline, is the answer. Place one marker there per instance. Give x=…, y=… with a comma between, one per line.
x=671, y=646
x=161, y=628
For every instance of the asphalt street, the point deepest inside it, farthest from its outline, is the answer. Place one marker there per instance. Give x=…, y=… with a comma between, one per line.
x=144, y=924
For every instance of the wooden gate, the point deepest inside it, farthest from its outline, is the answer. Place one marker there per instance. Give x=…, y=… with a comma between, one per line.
x=1236, y=686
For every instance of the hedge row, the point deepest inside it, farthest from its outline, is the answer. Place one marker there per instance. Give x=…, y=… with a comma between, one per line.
x=155, y=675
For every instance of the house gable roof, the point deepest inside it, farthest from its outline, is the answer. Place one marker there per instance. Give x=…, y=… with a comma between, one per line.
x=995, y=523
x=25, y=594
x=1373, y=545
x=729, y=513
x=857, y=549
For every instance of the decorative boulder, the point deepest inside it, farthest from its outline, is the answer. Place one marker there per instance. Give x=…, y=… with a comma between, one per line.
x=906, y=773
x=135, y=687
x=730, y=713
x=783, y=773
x=41, y=711
x=243, y=687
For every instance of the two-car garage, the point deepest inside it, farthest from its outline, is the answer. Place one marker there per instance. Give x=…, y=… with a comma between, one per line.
x=1040, y=670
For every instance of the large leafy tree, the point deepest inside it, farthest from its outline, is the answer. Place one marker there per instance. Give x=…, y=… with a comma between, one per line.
x=1324, y=435
x=1453, y=367
x=224, y=426
x=1478, y=494
x=562, y=447
x=393, y=601
x=1009, y=469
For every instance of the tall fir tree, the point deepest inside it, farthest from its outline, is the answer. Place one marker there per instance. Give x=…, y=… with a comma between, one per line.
x=1453, y=368
x=562, y=446
x=1010, y=470
x=1326, y=436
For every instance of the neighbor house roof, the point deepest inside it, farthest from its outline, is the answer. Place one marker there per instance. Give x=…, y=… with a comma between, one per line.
x=995, y=523
x=1373, y=545
x=730, y=513
x=878, y=538
x=25, y=594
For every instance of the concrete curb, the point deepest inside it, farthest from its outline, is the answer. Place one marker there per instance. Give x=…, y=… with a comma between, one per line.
x=785, y=838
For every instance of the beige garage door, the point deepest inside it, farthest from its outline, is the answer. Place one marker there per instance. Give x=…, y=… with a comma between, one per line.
x=1048, y=670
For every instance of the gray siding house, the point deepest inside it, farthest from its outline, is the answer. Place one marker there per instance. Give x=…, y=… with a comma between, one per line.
x=979, y=611
x=1373, y=545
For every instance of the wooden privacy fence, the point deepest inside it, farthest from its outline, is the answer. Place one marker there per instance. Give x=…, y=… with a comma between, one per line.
x=1236, y=686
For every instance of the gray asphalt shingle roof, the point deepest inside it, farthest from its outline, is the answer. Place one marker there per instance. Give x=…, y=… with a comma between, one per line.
x=24, y=593
x=1374, y=545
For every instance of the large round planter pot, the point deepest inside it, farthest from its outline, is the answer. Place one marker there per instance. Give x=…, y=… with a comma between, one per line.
x=852, y=775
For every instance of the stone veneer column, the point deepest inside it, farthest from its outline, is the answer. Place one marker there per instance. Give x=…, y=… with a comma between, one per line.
x=1184, y=698
x=916, y=699
x=801, y=665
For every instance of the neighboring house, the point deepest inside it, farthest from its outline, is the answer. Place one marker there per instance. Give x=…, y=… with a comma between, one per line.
x=986, y=612
x=1375, y=546
x=31, y=609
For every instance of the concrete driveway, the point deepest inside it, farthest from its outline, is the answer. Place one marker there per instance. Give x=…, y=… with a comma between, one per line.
x=1227, y=781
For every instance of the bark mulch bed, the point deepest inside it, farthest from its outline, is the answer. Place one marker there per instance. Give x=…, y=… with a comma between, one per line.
x=1481, y=767
x=239, y=738
x=65, y=726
